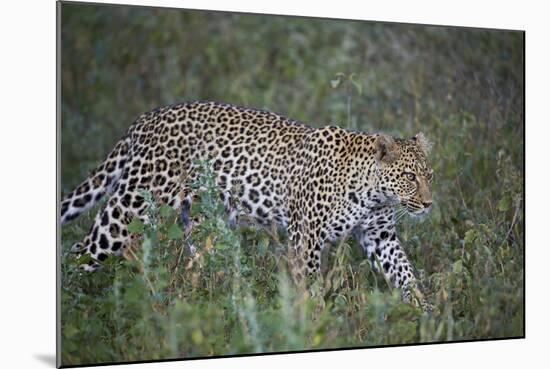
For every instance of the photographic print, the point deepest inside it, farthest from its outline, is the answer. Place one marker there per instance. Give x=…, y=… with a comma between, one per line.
x=240, y=184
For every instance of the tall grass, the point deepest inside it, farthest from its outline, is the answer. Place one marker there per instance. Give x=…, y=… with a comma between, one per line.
x=224, y=291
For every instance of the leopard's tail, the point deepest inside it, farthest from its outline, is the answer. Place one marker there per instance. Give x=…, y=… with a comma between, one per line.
x=101, y=180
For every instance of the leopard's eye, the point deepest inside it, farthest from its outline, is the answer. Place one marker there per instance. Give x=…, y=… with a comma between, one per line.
x=410, y=176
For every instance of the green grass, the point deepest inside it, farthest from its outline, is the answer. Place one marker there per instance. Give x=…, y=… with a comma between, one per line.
x=461, y=87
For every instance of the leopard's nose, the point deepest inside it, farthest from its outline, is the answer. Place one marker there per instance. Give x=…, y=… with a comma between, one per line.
x=427, y=204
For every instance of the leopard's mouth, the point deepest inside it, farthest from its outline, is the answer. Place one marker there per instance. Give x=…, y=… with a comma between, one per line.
x=420, y=212
x=414, y=209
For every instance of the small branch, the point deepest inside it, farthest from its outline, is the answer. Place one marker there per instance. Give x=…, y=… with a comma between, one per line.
x=142, y=270
x=514, y=218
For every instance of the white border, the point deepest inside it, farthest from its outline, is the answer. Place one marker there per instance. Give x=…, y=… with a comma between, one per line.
x=28, y=182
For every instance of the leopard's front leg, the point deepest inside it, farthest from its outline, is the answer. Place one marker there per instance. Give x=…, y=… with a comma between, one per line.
x=377, y=236
x=305, y=256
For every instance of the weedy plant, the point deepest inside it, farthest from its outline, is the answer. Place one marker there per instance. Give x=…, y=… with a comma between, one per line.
x=351, y=84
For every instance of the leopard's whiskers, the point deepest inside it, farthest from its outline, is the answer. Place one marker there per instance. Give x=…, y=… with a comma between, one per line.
x=401, y=211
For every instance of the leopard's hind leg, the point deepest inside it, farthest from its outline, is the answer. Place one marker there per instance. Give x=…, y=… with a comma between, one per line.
x=109, y=233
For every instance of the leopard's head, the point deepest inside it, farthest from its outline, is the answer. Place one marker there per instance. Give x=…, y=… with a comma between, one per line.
x=403, y=173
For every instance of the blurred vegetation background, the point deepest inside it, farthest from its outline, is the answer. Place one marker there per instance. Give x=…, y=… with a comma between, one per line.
x=462, y=87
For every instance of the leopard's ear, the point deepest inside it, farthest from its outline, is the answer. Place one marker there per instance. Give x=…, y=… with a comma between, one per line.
x=387, y=150
x=423, y=143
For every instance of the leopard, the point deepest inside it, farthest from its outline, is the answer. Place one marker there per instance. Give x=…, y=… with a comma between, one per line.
x=319, y=184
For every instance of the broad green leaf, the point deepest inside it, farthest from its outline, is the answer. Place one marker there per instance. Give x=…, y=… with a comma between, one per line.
x=69, y=330
x=504, y=203
x=457, y=267
x=470, y=236
x=166, y=211
x=84, y=259
x=197, y=336
x=174, y=232
x=136, y=226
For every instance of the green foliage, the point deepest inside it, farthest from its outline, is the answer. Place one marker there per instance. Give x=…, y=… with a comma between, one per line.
x=221, y=291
